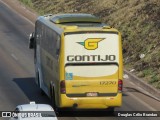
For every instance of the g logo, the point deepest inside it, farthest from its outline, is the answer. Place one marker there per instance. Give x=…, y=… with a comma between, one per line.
x=91, y=43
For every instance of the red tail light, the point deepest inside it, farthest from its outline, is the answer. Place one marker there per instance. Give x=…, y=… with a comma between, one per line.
x=63, y=87
x=120, y=85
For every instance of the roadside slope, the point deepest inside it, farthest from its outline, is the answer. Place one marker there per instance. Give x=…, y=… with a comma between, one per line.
x=136, y=19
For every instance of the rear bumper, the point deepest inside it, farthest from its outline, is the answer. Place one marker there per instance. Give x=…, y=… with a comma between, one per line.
x=90, y=102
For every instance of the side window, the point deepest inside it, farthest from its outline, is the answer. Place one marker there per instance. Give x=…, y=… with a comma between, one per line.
x=43, y=38
x=52, y=42
x=48, y=39
x=38, y=32
x=58, y=45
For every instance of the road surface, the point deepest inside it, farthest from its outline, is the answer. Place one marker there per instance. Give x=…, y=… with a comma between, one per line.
x=17, y=84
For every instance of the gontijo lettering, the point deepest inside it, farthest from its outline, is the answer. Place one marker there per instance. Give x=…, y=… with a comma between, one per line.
x=91, y=58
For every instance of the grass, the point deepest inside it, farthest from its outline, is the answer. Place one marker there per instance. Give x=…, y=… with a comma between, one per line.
x=137, y=20
x=27, y=2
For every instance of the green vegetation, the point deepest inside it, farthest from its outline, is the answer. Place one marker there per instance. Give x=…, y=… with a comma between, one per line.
x=27, y=2
x=138, y=21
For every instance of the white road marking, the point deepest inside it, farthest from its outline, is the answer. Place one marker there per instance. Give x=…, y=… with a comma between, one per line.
x=77, y=118
x=14, y=57
x=142, y=102
x=18, y=13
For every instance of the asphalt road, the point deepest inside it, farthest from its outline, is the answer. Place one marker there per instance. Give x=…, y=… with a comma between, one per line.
x=17, y=84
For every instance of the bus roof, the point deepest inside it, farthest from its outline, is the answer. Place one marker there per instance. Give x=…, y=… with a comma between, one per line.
x=74, y=22
x=74, y=18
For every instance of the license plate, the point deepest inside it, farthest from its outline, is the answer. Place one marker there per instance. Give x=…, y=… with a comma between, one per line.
x=92, y=94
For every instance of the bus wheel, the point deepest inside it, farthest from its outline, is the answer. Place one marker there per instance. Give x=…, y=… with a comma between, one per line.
x=42, y=92
x=53, y=103
x=111, y=110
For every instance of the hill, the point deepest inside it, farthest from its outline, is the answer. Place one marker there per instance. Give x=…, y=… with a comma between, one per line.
x=138, y=21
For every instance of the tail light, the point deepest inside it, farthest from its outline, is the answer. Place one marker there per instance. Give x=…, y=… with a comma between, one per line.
x=120, y=85
x=62, y=87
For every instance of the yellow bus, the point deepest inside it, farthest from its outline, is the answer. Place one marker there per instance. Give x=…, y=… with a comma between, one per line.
x=78, y=61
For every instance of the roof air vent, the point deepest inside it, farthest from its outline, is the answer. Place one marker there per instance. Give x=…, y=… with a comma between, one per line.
x=74, y=18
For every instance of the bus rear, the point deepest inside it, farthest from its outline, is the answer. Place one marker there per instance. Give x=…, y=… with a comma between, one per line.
x=93, y=70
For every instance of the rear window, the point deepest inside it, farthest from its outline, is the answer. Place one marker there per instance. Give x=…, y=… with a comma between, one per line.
x=85, y=53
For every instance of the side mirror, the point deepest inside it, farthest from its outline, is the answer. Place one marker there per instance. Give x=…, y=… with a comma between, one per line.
x=31, y=41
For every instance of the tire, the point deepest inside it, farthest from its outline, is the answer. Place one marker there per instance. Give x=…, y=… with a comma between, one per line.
x=111, y=111
x=53, y=103
x=42, y=92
